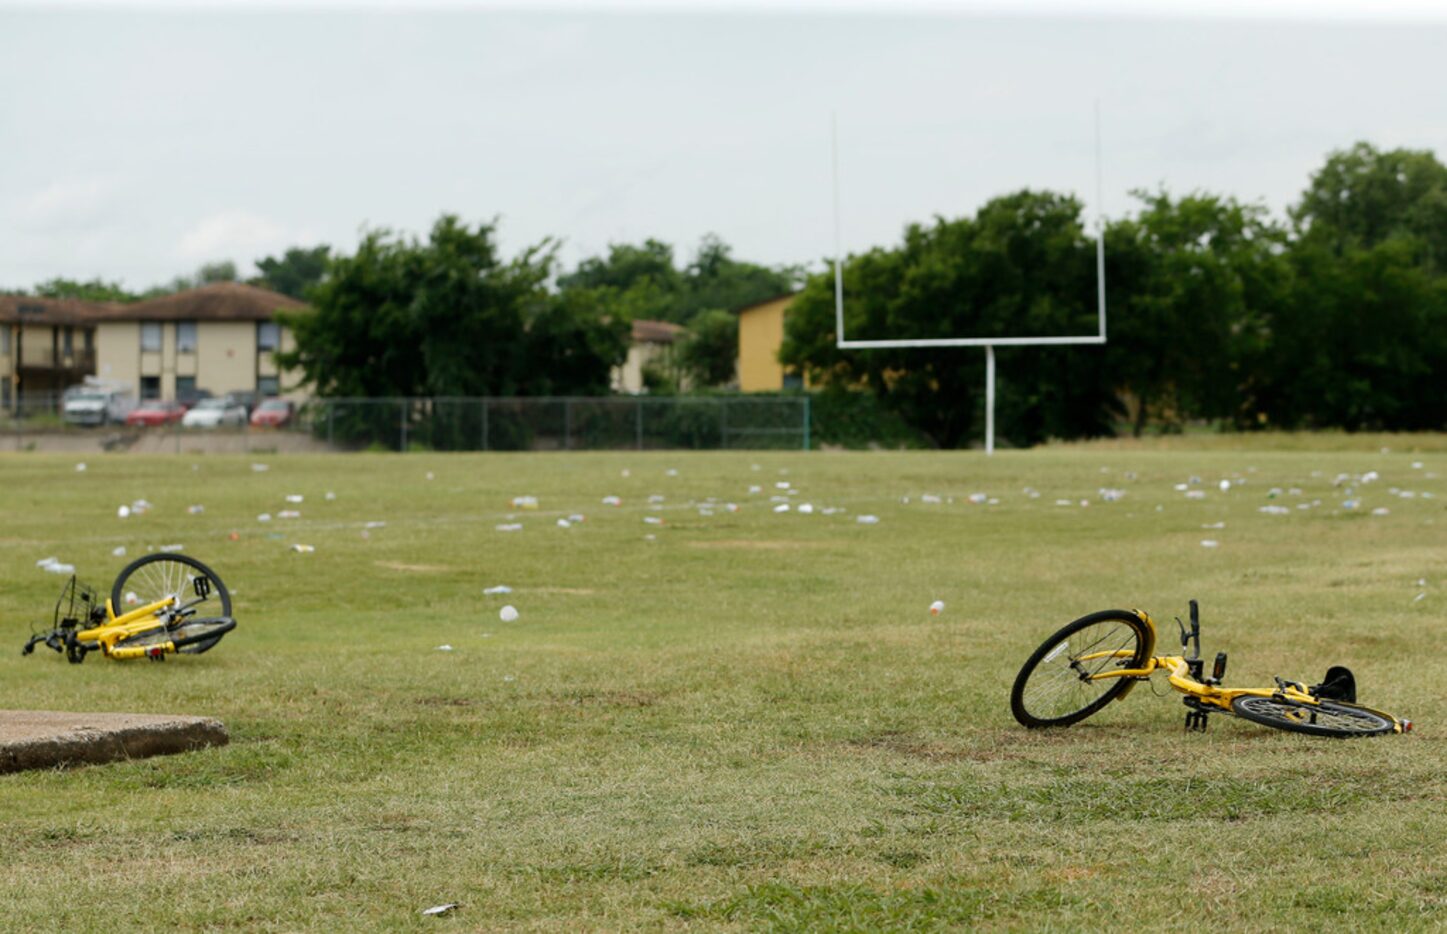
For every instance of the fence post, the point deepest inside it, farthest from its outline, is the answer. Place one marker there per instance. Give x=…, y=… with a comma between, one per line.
x=638, y=419
x=808, y=419
x=484, y=423
x=403, y=448
x=568, y=424
x=723, y=427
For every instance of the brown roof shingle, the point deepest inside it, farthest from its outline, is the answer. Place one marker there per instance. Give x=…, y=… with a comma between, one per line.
x=220, y=301
x=31, y=310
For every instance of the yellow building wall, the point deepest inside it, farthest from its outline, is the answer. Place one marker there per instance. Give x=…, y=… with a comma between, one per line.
x=118, y=353
x=226, y=356
x=761, y=334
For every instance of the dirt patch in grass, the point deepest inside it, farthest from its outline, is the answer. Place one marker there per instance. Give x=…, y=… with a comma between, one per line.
x=750, y=544
x=414, y=568
x=604, y=699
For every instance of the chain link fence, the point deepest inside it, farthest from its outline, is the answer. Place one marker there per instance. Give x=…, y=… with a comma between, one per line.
x=449, y=424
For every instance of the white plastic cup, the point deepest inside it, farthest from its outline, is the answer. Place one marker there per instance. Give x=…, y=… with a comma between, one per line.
x=508, y=613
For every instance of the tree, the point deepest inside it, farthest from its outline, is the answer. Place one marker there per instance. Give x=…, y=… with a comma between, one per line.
x=449, y=317
x=294, y=272
x=709, y=353
x=94, y=290
x=223, y=271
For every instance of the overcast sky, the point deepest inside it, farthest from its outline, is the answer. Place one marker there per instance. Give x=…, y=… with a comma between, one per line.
x=139, y=143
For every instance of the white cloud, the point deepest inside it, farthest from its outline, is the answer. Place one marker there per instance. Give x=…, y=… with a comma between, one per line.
x=235, y=235
x=65, y=204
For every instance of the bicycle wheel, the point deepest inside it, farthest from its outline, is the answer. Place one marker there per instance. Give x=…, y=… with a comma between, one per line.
x=165, y=574
x=1324, y=719
x=193, y=636
x=1054, y=686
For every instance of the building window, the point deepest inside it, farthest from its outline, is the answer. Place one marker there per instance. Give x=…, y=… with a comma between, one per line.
x=268, y=386
x=185, y=337
x=67, y=340
x=5, y=339
x=268, y=336
x=150, y=387
x=185, y=388
x=150, y=337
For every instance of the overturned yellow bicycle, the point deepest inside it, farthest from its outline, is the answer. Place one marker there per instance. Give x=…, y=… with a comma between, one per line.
x=1101, y=657
x=172, y=603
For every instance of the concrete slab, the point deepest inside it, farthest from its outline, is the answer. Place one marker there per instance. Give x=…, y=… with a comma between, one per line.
x=42, y=739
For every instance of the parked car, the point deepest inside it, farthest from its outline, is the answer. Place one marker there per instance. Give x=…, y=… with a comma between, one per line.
x=273, y=413
x=156, y=412
x=188, y=399
x=97, y=405
x=213, y=413
x=249, y=398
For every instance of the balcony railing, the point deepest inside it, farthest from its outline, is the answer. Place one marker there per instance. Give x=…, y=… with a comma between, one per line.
x=79, y=360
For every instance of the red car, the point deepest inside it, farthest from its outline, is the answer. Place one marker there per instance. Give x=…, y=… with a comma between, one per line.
x=272, y=413
x=155, y=412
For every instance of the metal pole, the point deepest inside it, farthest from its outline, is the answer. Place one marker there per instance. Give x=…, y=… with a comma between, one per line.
x=989, y=399
x=838, y=242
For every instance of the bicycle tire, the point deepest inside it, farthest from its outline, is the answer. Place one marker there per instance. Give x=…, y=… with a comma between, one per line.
x=153, y=577
x=1051, y=689
x=193, y=636
x=1329, y=718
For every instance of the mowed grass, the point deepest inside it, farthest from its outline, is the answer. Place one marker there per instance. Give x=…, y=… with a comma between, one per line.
x=743, y=720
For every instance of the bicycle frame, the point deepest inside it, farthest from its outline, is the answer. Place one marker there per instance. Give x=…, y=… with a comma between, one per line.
x=1183, y=675
x=132, y=623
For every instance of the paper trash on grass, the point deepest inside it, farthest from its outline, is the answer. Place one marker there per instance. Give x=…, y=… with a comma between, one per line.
x=330, y=496
x=294, y=498
x=1209, y=543
x=288, y=514
x=500, y=588
x=260, y=468
x=444, y=648
x=123, y=512
x=612, y=501
x=510, y=527
x=806, y=508
x=524, y=502
x=564, y=524
x=936, y=608
x=440, y=909
x=867, y=520
x=119, y=551
x=303, y=549
x=782, y=507
x=80, y=468
x=652, y=520
x=264, y=517
x=195, y=509
x=54, y=566
x=508, y=614
x=1274, y=510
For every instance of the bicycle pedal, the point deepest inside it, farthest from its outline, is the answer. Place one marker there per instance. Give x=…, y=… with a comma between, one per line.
x=1196, y=721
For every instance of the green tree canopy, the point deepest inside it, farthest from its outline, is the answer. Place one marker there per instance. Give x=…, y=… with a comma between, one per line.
x=94, y=290
x=295, y=271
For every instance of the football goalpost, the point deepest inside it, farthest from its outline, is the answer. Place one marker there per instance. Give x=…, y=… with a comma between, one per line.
x=989, y=343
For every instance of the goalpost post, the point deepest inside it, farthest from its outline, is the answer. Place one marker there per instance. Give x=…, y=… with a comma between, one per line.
x=989, y=343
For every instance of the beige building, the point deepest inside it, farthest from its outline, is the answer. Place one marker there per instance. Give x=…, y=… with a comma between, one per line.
x=221, y=337
x=761, y=334
x=652, y=347
x=46, y=345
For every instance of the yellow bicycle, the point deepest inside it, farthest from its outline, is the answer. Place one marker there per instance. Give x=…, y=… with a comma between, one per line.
x=172, y=603
x=1101, y=657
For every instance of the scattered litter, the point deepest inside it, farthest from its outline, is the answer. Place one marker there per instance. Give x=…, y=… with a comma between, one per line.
x=288, y=514
x=54, y=566
x=1381, y=511
x=577, y=517
x=508, y=613
x=1370, y=476
x=119, y=551
x=867, y=520
x=734, y=507
x=509, y=678
x=756, y=489
x=930, y=498
x=260, y=468
x=443, y=648
x=650, y=537
x=1273, y=492
x=1111, y=495
x=782, y=507
x=655, y=499
x=510, y=527
x=525, y=502
x=672, y=472
x=330, y=495
x=806, y=508
x=234, y=536
x=1063, y=502
x=1275, y=510
x=431, y=476
x=123, y=512
x=653, y=520
x=294, y=498
x=1196, y=494
x=1031, y=492
x=1194, y=481
x=978, y=498
x=303, y=549
x=1350, y=504
x=626, y=472
x=80, y=468
x=1214, y=525
x=1209, y=543
x=264, y=517
x=440, y=909
x=374, y=524
x=936, y=608
x=131, y=599
x=1084, y=503
x=196, y=509
x=172, y=548
x=1416, y=465
x=1181, y=487
x=705, y=511
x=612, y=501
x=500, y=588
x=1419, y=597
x=781, y=485
x=564, y=524
x=1225, y=486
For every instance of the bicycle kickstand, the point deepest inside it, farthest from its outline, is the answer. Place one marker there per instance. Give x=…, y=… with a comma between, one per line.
x=1197, y=717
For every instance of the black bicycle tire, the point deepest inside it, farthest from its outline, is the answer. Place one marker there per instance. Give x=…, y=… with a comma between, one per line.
x=193, y=636
x=1244, y=707
x=118, y=589
x=1017, y=692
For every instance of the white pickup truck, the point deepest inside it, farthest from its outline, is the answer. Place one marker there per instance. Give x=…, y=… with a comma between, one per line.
x=97, y=405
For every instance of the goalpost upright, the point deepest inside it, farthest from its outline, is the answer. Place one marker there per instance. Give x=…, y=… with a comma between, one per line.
x=989, y=343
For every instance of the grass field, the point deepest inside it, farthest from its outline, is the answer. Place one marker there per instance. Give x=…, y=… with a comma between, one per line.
x=743, y=719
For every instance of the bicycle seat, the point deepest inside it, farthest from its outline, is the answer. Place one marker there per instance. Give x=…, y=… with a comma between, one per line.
x=1339, y=684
